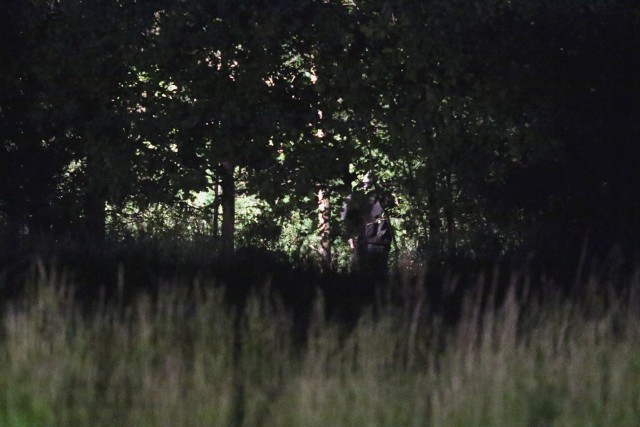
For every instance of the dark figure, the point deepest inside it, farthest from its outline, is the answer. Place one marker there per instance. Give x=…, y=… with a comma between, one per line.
x=369, y=230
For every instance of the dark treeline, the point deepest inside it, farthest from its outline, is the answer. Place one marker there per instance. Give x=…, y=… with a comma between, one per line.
x=502, y=128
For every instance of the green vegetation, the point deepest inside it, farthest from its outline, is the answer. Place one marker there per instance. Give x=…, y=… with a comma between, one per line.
x=185, y=357
x=185, y=162
x=500, y=127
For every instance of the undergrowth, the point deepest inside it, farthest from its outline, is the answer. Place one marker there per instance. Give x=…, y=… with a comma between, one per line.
x=186, y=356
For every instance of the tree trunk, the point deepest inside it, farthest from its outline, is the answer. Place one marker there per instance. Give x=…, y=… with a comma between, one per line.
x=435, y=235
x=94, y=200
x=324, y=229
x=228, y=185
x=450, y=217
x=216, y=207
x=95, y=217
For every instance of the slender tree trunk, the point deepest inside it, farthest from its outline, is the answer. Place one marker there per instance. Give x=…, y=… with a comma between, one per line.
x=449, y=213
x=94, y=201
x=95, y=217
x=324, y=229
x=435, y=235
x=216, y=206
x=228, y=200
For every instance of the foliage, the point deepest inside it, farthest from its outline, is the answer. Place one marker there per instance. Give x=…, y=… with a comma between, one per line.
x=500, y=127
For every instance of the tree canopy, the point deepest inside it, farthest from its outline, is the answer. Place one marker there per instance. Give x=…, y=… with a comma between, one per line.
x=500, y=127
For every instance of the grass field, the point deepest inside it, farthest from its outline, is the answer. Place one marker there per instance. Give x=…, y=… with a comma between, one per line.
x=184, y=357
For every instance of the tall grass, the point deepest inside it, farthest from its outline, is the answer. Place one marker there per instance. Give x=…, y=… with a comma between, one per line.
x=187, y=358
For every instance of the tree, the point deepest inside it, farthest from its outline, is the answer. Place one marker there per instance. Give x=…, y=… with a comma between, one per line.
x=31, y=162
x=427, y=116
x=91, y=81
x=578, y=70
x=225, y=92
x=494, y=123
x=66, y=117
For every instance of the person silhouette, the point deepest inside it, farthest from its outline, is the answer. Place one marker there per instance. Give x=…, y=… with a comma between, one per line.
x=368, y=229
